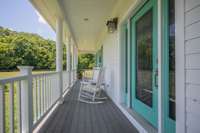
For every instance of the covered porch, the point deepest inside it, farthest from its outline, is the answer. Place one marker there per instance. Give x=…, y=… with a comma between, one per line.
x=78, y=117
x=150, y=51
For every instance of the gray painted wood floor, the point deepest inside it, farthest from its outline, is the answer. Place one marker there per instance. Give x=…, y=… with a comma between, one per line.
x=77, y=117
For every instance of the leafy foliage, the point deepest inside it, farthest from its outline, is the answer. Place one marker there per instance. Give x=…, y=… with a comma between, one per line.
x=19, y=48
x=85, y=61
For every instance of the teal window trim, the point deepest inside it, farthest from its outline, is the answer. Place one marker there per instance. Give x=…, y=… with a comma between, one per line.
x=169, y=124
x=99, y=57
x=126, y=59
x=124, y=44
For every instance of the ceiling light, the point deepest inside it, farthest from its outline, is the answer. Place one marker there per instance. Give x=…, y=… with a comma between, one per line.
x=85, y=19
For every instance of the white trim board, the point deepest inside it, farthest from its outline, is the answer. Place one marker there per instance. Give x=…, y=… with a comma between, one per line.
x=180, y=66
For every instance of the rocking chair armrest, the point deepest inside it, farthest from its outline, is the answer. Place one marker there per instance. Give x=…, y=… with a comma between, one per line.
x=88, y=83
x=85, y=83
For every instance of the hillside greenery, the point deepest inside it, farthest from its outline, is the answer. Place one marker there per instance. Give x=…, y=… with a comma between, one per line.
x=20, y=48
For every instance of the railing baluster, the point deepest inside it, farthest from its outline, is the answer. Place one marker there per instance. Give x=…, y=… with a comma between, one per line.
x=47, y=88
x=36, y=98
x=11, y=107
x=45, y=93
x=34, y=103
x=53, y=96
x=51, y=91
x=19, y=107
x=48, y=99
x=42, y=94
x=48, y=92
x=2, y=109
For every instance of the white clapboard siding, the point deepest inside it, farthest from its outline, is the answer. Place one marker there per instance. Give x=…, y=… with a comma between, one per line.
x=193, y=107
x=191, y=130
x=193, y=91
x=193, y=76
x=192, y=46
x=192, y=31
x=192, y=61
x=192, y=64
x=190, y=4
x=192, y=123
x=192, y=16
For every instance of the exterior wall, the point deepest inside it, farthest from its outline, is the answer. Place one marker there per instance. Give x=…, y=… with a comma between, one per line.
x=192, y=65
x=111, y=64
x=188, y=65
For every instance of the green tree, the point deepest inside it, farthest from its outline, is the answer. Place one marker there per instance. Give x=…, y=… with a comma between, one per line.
x=20, y=48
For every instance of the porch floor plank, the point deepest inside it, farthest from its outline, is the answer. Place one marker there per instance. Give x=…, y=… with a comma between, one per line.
x=77, y=117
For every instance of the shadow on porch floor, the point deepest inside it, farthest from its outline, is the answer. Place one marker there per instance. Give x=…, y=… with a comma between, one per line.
x=76, y=117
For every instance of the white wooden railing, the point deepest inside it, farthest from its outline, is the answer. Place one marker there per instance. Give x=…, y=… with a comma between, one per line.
x=45, y=94
x=8, y=87
x=25, y=100
x=74, y=76
x=65, y=80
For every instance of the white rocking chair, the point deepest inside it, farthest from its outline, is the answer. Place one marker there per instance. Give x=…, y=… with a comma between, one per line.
x=90, y=92
x=94, y=77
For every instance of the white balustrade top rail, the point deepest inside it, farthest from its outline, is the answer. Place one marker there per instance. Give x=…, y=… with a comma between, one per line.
x=12, y=79
x=28, y=98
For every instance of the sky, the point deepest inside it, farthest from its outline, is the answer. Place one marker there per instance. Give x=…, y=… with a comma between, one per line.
x=20, y=15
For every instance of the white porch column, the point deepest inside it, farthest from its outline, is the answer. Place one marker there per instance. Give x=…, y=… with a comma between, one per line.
x=75, y=63
x=69, y=61
x=26, y=99
x=74, y=54
x=59, y=52
x=72, y=61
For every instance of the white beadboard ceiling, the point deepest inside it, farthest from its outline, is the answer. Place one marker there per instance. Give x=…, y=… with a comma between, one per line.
x=87, y=33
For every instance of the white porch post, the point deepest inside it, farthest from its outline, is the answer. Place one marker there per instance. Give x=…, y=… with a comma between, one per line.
x=59, y=53
x=73, y=62
x=69, y=61
x=26, y=99
x=76, y=62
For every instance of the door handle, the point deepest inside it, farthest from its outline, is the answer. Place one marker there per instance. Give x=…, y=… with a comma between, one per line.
x=155, y=78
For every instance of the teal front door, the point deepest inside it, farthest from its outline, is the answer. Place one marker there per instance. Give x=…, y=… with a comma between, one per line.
x=144, y=62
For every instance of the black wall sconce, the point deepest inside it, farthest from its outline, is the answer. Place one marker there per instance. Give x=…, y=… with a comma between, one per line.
x=112, y=25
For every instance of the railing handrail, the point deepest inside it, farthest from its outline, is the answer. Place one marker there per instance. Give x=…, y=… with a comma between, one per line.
x=18, y=78
x=44, y=74
x=95, y=68
x=12, y=79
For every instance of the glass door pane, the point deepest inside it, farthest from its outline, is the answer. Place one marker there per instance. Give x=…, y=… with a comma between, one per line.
x=171, y=57
x=144, y=40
